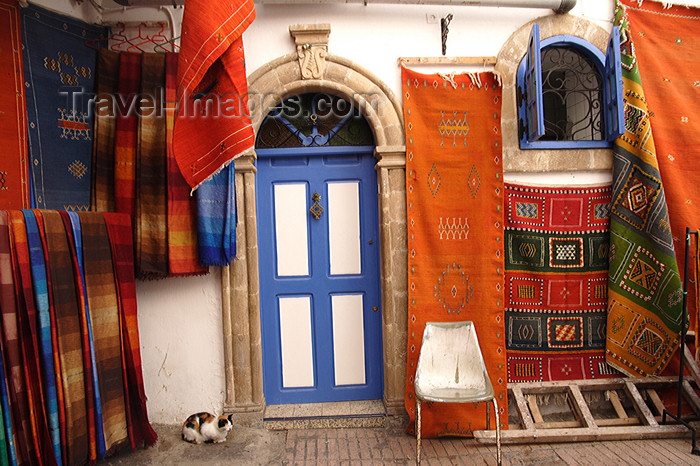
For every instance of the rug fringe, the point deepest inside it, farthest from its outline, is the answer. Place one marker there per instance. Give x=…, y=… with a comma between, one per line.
x=224, y=165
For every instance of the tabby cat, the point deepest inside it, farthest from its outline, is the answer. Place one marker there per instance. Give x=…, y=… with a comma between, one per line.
x=206, y=428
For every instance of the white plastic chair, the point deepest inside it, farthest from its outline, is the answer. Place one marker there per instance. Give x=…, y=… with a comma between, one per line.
x=451, y=369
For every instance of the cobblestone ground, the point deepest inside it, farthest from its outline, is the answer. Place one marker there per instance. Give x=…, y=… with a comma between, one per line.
x=378, y=446
x=390, y=446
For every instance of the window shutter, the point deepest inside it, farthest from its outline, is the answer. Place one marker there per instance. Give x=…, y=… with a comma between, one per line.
x=614, y=104
x=533, y=87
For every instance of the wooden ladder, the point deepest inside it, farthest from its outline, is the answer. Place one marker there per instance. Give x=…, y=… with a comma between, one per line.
x=585, y=427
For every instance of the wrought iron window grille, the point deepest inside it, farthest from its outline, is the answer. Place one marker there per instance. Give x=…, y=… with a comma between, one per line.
x=571, y=94
x=314, y=120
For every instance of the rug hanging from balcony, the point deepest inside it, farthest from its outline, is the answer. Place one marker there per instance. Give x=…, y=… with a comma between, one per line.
x=57, y=67
x=666, y=41
x=14, y=174
x=454, y=195
x=645, y=293
x=556, y=282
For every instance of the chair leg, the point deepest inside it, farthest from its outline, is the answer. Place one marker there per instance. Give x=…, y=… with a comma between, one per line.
x=498, y=432
x=417, y=431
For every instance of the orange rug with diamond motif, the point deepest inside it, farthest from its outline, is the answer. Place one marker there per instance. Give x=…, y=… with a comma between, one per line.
x=454, y=196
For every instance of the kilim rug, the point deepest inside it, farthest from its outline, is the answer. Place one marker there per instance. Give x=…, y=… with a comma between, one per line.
x=71, y=221
x=69, y=333
x=106, y=82
x=556, y=282
x=216, y=218
x=36, y=256
x=14, y=175
x=59, y=71
x=27, y=319
x=151, y=201
x=121, y=245
x=645, y=293
x=104, y=315
x=10, y=454
x=58, y=371
x=126, y=133
x=183, y=254
x=12, y=352
x=211, y=70
x=91, y=397
x=454, y=189
x=666, y=41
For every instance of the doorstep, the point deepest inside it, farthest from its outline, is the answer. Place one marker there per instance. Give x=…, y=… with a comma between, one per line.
x=339, y=414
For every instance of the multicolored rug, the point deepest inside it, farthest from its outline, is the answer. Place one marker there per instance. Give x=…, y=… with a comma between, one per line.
x=211, y=70
x=556, y=282
x=14, y=174
x=59, y=71
x=666, y=40
x=29, y=337
x=41, y=293
x=151, y=220
x=454, y=189
x=216, y=218
x=645, y=292
x=121, y=245
x=183, y=253
x=12, y=350
x=104, y=314
x=106, y=82
x=69, y=333
x=126, y=133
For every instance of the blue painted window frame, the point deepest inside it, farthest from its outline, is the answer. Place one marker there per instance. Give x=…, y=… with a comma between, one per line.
x=529, y=82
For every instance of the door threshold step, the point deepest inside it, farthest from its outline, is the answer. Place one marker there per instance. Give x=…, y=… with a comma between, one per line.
x=334, y=415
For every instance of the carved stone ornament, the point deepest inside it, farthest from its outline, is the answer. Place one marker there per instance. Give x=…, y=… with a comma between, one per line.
x=312, y=47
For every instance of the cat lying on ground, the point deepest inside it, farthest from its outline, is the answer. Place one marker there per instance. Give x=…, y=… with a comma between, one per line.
x=206, y=428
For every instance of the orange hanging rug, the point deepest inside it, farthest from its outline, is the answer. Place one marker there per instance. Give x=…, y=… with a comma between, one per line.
x=454, y=196
x=212, y=126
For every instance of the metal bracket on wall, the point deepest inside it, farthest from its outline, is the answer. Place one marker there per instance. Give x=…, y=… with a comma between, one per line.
x=444, y=23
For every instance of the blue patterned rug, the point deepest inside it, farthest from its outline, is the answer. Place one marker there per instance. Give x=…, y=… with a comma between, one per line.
x=58, y=65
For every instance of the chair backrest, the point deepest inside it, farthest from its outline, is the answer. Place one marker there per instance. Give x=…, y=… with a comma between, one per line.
x=450, y=359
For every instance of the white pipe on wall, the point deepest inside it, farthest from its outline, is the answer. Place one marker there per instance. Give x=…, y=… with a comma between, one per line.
x=559, y=6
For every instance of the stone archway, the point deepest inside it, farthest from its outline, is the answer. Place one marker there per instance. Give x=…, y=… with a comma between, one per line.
x=313, y=69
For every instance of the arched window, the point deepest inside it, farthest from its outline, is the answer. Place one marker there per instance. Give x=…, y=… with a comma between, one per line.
x=569, y=94
x=314, y=120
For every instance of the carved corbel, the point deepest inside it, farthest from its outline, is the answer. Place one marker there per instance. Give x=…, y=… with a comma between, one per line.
x=312, y=47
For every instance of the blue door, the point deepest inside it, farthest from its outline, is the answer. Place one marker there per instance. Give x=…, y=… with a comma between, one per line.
x=319, y=274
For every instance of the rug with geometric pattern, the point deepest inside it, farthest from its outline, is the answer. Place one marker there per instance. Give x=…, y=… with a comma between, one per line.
x=556, y=282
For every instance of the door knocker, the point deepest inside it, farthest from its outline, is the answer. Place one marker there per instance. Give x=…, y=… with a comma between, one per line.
x=316, y=209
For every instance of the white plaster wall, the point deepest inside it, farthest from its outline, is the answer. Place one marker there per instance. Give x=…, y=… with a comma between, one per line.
x=375, y=36
x=180, y=318
x=182, y=346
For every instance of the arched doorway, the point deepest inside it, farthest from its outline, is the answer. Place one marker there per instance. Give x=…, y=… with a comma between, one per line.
x=318, y=242
x=268, y=86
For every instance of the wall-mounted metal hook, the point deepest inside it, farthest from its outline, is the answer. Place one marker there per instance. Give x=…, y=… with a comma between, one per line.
x=444, y=22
